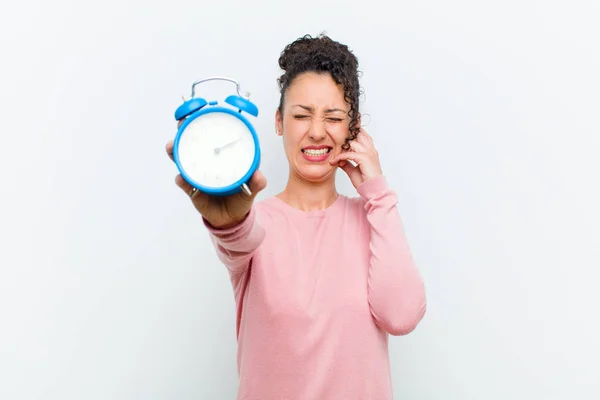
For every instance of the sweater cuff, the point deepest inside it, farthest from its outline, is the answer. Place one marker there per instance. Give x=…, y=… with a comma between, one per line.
x=372, y=187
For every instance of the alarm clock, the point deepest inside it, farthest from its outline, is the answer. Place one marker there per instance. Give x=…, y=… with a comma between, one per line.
x=216, y=148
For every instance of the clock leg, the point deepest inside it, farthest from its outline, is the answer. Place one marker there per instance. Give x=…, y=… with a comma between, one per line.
x=246, y=189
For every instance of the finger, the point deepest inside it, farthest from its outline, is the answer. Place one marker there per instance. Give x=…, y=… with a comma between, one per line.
x=358, y=147
x=364, y=133
x=361, y=138
x=348, y=156
x=199, y=199
x=352, y=171
x=364, y=138
x=169, y=149
x=356, y=151
x=170, y=142
x=342, y=163
x=347, y=166
x=183, y=184
x=187, y=188
x=257, y=183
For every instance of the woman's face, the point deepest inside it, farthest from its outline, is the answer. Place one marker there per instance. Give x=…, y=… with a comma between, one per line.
x=314, y=125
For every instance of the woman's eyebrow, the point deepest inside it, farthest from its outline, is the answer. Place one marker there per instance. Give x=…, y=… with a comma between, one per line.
x=310, y=109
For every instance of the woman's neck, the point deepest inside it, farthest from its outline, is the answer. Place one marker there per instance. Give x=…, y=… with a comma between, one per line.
x=309, y=196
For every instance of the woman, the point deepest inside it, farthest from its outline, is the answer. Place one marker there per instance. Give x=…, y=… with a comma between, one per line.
x=320, y=279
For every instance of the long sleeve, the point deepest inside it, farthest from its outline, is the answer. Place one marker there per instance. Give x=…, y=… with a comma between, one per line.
x=396, y=290
x=235, y=246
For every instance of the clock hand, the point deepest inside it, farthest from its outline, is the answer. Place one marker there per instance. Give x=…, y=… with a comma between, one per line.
x=218, y=149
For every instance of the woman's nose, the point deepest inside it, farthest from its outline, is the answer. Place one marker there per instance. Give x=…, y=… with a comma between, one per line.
x=317, y=130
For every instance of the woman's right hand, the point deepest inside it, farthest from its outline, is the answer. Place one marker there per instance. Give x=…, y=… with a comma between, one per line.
x=221, y=212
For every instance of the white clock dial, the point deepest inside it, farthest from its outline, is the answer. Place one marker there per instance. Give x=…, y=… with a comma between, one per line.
x=216, y=149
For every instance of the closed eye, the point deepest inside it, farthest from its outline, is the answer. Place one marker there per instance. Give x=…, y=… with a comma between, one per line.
x=329, y=119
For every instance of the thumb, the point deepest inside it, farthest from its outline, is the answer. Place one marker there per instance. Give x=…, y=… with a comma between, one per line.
x=351, y=170
x=347, y=167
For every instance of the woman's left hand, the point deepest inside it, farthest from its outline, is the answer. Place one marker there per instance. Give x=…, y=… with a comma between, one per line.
x=363, y=153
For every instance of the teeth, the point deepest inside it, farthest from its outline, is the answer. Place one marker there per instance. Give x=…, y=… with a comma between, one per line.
x=319, y=152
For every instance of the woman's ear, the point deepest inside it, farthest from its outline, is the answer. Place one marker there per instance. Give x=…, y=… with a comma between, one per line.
x=278, y=123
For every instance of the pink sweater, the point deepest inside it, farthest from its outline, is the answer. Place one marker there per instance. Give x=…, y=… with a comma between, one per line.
x=317, y=294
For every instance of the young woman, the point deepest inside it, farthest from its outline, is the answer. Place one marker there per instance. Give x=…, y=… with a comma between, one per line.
x=320, y=279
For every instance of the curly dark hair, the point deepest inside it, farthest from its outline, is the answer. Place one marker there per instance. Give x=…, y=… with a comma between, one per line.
x=321, y=54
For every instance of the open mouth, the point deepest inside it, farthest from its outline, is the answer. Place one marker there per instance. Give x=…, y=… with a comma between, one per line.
x=316, y=152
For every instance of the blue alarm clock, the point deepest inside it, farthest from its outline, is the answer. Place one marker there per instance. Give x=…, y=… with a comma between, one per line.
x=216, y=148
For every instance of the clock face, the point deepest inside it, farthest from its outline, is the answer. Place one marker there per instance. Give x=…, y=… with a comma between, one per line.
x=216, y=149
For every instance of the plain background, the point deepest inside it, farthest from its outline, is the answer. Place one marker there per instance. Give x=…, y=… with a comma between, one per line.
x=486, y=118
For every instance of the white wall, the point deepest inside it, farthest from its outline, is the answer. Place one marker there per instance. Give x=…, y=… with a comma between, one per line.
x=486, y=117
